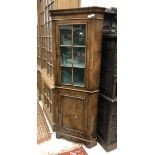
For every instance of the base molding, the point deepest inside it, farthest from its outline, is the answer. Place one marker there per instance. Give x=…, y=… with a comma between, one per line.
x=107, y=148
x=88, y=143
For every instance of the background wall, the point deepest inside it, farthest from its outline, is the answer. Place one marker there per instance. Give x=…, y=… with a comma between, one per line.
x=101, y=3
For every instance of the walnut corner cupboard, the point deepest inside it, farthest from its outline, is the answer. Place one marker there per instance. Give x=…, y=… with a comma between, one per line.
x=77, y=46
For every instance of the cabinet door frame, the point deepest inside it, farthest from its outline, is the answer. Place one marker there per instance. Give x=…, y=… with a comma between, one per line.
x=57, y=52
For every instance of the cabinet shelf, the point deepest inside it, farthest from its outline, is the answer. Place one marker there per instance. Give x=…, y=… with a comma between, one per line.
x=74, y=66
x=70, y=45
x=78, y=66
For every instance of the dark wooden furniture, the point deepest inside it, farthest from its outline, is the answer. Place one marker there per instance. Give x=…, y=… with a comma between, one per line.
x=77, y=42
x=107, y=107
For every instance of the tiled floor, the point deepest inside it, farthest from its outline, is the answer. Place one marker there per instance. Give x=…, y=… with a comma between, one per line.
x=56, y=145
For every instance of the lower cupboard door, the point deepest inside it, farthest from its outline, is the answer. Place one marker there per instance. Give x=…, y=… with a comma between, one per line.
x=72, y=115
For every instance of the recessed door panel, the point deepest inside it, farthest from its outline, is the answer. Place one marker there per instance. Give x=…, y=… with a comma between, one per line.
x=72, y=113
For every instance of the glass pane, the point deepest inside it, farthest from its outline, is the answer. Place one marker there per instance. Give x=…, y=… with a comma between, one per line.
x=79, y=57
x=51, y=71
x=47, y=103
x=48, y=56
x=50, y=43
x=66, y=35
x=45, y=65
x=45, y=54
x=46, y=29
x=78, y=76
x=51, y=58
x=79, y=34
x=48, y=69
x=44, y=99
x=79, y=26
x=66, y=27
x=66, y=75
x=47, y=44
x=66, y=56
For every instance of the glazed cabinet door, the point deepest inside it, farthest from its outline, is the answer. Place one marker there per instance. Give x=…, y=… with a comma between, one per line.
x=71, y=54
